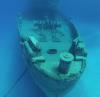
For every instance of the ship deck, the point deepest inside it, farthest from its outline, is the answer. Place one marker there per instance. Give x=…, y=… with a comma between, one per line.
x=60, y=40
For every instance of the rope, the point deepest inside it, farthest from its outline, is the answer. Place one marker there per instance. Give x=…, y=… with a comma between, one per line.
x=16, y=82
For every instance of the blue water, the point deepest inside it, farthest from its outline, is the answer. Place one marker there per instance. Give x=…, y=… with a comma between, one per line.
x=85, y=14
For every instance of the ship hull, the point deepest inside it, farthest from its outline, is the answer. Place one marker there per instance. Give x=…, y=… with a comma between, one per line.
x=55, y=67
x=51, y=87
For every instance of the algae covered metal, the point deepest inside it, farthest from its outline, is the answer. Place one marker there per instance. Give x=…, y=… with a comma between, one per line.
x=53, y=49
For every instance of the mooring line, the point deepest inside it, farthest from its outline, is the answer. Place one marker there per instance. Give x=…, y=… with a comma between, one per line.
x=16, y=82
